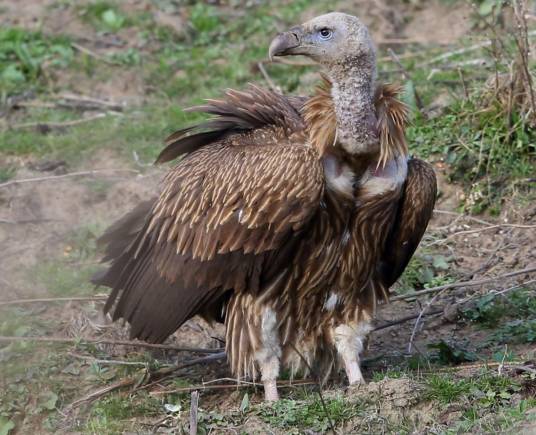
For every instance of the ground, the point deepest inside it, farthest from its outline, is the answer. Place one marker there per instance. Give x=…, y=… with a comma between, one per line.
x=90, y=89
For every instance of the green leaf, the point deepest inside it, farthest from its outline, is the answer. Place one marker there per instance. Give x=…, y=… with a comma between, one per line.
x=244, y=405
x=486, y=7
x=13, y=74
x=440, y=262
x=6, y=426
x=112, y=19
x=49, y=400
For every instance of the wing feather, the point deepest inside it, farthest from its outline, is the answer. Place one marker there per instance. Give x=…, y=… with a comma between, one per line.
x=415, y=210
x=225, y=219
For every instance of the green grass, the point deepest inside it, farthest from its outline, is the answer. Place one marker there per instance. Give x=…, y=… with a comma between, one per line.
x=308, y=415
x=23, y=54
x=511, y=317
x=104, y=16
x=488, y=390
x=425, y=270
x=110, y=414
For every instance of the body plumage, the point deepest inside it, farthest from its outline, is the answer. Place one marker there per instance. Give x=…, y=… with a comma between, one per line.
x=278, y=221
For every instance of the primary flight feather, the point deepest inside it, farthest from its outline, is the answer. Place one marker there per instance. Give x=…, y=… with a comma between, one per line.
x=288, y=218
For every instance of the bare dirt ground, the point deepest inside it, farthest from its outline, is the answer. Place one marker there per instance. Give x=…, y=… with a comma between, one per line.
x=38, y=220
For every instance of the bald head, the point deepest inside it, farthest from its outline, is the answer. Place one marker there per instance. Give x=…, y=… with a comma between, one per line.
x=331, y=39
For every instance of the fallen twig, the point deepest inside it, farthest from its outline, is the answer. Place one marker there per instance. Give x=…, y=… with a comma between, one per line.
x=128, y=382
x=470, y=283
x=459, y=51
x=268, y=79
x=169, y=371
x=91, y=53
x=74, y=102
x=419, y=317
x=101, y=392
x=319, y=385
x=194, y=404
x=404, y=320
x=241, y=384
x=46, y=126
x=407, y=76
x=109, y=361
x=69, y=175
x=65, y=340
x=47, y=300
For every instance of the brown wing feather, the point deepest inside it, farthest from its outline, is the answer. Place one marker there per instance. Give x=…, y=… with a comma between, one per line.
x=236, y=112
x=228, y=213
x=416, y=207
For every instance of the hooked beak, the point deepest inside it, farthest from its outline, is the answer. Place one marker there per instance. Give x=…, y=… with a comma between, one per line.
x=285, y=43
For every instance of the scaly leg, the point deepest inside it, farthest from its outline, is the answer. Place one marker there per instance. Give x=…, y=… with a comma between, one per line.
x=269, y=355
x=349, y=343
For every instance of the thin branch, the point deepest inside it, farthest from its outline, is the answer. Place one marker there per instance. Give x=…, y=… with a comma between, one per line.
x=241, y=384
x=128, y=382
x=268, y=79
x=91, y=53
x=109, y=361
x=64, y=340
x=194, y=405
x=170, y=371
x=404, y=320
x=102, y=392
x=44, y=125
x=464, y=50
x=319, y=385
x=69, y=175
x=470, y=283
x=420, y=316
x=47, y=300
x=407, y=76
x=491, y=227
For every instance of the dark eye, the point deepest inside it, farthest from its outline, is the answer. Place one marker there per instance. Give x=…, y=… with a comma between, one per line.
x=325, y=33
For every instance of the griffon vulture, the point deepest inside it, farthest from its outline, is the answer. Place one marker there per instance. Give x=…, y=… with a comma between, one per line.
x=287, y=218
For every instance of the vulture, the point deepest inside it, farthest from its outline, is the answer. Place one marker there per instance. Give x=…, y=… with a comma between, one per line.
x=287, y=218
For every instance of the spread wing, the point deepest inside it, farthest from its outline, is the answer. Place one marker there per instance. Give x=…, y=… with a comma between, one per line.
x=226, y=220
x=415, y=211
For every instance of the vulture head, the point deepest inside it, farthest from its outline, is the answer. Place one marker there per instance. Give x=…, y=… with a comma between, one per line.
x=335, y=40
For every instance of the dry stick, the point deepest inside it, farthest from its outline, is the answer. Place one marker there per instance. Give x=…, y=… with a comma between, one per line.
x=491, y=227
x=522, y=43
x=404, y=320
x=470, y=283
x=407, y=76
x=108, y=361
x=69, y=175
x=63, y=340
x=51, y=125
x=319, y=385
x=422, y=313
x=167, y=372
x=85, y=102
x=268, y=79
x=103, y=391
x=419, y=317
x=91, y=53
x=132, y=381
x=283, y=384
x=194, y=404
x=47, y=300
x=450, y=54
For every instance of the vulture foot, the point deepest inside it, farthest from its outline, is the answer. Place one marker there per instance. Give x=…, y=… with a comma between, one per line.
x=270, y=391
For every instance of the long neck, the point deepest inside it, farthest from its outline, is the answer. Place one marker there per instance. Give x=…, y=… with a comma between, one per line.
x=353, y=86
